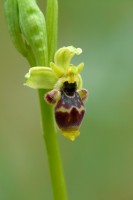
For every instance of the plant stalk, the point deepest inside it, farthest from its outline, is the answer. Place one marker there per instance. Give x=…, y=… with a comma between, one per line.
x=47, y=111
x=53, y=153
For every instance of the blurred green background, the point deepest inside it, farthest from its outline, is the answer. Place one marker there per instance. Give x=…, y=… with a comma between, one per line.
x=99, y=164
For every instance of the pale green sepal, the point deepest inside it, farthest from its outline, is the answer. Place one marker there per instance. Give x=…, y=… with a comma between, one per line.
x=64, y=55
x=40, y=78
x=58, y=71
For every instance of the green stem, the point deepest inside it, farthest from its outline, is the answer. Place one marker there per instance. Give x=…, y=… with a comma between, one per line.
x=54, y=158
x=47, y=114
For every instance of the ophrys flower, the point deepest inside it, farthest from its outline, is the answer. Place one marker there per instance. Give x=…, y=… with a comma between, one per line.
x=66, y=93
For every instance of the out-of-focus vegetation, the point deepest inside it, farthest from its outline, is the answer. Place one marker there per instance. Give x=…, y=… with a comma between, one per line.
x=98, y=165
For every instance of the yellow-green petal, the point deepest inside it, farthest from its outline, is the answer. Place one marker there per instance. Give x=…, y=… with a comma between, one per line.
x=40, y=78
x=80, y=67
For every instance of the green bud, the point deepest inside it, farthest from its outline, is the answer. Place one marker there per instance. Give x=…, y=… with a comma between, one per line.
x=12, y=17
x=33, y=28
x=40, y=78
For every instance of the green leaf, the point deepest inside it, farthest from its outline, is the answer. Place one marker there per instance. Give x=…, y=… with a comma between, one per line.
x=40, y=78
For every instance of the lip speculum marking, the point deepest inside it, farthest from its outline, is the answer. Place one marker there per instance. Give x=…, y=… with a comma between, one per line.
x=69, y=110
